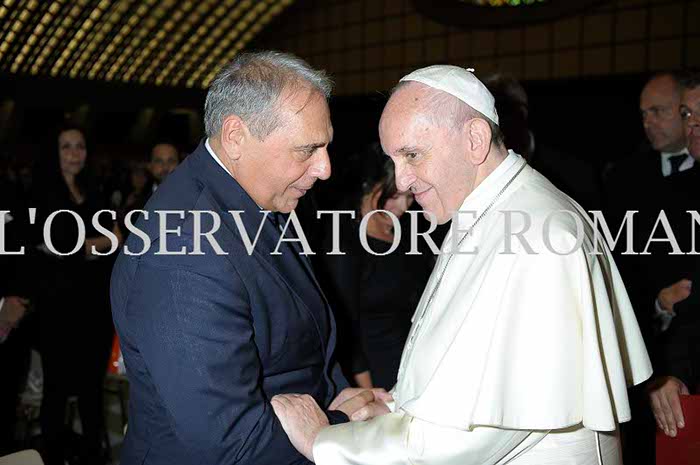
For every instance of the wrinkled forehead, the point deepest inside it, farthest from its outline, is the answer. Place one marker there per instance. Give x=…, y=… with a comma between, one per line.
x=409, y=103
x=404, y=128
x=410, y=96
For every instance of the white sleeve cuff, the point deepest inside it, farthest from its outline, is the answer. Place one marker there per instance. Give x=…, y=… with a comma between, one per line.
x=665, y=318
x=392, y=406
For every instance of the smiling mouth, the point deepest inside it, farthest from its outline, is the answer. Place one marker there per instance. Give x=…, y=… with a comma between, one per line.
x=419, y=195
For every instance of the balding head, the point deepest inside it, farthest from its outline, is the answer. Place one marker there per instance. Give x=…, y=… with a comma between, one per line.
x=659, y=105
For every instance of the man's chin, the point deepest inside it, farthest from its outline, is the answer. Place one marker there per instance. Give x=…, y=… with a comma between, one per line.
x=433, y=217
x=288, y=206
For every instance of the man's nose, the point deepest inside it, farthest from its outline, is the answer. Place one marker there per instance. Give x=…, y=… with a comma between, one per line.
x=321, y=167
x=404, y=177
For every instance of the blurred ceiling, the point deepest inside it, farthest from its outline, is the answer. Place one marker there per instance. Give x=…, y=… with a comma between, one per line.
x=499, y=13
x=172, y=43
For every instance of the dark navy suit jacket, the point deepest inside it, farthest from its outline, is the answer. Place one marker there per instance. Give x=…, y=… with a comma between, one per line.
x=209, y=339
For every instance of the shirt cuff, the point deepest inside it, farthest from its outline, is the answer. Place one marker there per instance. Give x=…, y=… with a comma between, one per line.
x=336, y=417
x=392, y=406
x=665, y=318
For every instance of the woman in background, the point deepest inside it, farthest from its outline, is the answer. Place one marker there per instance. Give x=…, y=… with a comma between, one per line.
x=75, y=329
x=373, y=296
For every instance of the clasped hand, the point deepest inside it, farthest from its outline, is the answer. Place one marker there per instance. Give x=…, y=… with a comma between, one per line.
x=302, y=418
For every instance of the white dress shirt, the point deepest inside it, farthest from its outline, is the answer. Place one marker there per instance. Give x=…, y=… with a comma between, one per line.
x=666, y=167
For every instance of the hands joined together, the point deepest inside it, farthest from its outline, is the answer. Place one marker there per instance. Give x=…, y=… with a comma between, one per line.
x=302, y=418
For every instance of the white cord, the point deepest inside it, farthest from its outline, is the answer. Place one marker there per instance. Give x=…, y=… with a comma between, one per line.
x=597, y=449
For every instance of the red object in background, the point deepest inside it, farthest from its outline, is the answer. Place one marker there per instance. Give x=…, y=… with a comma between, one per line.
x=115, y=359
x=684, y=449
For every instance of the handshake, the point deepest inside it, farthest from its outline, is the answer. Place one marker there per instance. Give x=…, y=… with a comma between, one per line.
x=302, y=418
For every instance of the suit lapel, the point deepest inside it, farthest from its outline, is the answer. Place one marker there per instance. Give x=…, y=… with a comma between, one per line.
x=294, y=270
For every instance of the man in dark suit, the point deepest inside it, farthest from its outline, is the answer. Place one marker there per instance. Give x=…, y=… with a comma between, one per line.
x=649, y=182
x=678, y=372
x=211, y=335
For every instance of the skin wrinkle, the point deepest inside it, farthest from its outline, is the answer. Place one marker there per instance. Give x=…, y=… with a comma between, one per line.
x=277, y=171
x=447, y=163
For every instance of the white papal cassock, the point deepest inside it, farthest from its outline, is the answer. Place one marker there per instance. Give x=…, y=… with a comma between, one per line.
x=526, y=351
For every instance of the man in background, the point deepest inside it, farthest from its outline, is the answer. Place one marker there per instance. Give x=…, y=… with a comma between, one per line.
x=164, y=159
x=678, y=372
x=649, y=182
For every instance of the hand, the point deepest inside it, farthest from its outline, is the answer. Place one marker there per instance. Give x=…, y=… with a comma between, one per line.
x=673, y=294
x=664, y=396
x=347, y=393
x=5, y=330
x=13, y=310
x=301, y=418
x=362, y=404
x=369, y=411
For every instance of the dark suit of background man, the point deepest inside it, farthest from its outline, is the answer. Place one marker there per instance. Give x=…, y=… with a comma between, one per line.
x=209, y=339
x=678, y=372
x=648, y=182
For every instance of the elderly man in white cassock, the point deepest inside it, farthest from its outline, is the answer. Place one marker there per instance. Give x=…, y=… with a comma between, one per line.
x=524, y=342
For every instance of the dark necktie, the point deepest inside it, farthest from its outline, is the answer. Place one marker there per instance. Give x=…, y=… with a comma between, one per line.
x=277, y=220
x=676, y=162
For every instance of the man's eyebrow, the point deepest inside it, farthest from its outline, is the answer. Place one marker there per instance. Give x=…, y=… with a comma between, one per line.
x=312, y=146
x=407, y=149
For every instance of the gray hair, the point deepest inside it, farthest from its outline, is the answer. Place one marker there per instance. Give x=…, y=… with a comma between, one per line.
x=446, y=110
x=250, y=85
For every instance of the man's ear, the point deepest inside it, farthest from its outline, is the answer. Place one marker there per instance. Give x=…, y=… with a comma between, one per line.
x=479, y=137
x=233, y=136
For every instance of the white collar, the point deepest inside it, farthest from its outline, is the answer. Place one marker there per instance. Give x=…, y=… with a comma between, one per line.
x=494, y=182
x=485, y=192
x=214, y=156
x=666, y=162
